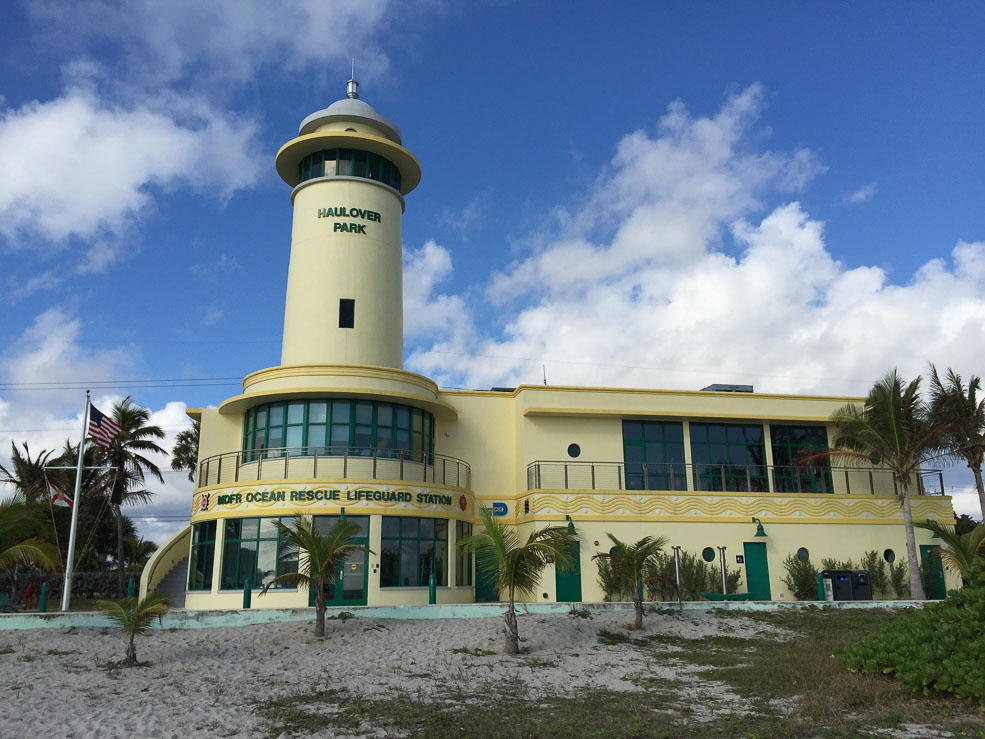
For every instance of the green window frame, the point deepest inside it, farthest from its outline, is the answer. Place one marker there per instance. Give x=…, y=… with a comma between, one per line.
x=729, y=456
x=411, y=549
x=201, y=558
x=463, y=569
x=789, y=444
x=338, y=427
x=349, y=163
x=253, y=549
x=653, y=453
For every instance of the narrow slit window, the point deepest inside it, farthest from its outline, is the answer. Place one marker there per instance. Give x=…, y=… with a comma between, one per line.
x=347, y=313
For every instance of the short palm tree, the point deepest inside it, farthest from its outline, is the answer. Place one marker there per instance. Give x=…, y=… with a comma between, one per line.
x=959, y=407
x=318, y=557
x=630, y=563
x=134, y=617
x=895, y=430
x=958, y=551
x=127, y=455
x=515, y=567
x=184, y=453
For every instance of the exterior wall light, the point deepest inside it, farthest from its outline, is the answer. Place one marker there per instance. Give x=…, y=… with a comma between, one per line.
x=760, y=531
x=571, y=525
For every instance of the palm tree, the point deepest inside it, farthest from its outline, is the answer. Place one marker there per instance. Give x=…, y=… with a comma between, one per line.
x=893, y=429
x=184, y=453
x=958, y=551
x=137, y=551
x=27, y=474
x=317, y=555
x=963, y=411
x=126, y=455
x=516, y=568
x=18, y=520
x=134, y=617
x=629, y=565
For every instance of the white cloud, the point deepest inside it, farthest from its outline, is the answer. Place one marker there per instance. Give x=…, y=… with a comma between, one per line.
x=862, y=195
x=205, y=44
x=109, y=160
x=662, y=277
x=49, y=352
x=426, y=313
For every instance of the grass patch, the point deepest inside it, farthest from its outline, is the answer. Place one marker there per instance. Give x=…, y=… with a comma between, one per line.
x=472, y=652
x=7, y=650
x=790, y=688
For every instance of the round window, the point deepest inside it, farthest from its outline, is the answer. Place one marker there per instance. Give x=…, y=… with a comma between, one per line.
x=708, y=554
x=574, y=450
x=803, y=555
x=889, y=555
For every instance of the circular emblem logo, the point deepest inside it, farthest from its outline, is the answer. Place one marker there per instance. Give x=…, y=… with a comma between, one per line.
x=463, y=503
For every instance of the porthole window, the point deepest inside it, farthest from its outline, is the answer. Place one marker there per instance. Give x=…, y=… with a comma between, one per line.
x=708, y=554
x=574, y=450
x=889, y=555
x=803, y=555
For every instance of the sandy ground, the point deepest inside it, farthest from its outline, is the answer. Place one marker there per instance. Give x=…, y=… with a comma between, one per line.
x=206, y=682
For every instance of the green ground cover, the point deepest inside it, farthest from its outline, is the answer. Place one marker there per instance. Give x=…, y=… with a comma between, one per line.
x=792, y=688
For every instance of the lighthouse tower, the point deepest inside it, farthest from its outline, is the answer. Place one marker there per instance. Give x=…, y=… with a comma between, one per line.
x=344, y=287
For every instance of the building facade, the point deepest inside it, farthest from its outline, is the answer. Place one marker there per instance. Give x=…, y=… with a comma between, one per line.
x=339, y=428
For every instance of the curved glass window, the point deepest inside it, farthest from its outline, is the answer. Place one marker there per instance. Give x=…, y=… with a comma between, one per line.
x=338, y=427
x=349, y=163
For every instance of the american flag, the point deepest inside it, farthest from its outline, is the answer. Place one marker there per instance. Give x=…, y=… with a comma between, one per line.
x=58, y=497
x=102, y=428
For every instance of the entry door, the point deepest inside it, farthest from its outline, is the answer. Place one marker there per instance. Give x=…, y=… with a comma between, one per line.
x=931, y=559
x=568, y=584
x=757, y=570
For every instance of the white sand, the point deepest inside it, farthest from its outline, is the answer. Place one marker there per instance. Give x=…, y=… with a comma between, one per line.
x=206, y=682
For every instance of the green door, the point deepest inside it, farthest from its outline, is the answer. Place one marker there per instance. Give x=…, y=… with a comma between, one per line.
x=930, y=558
x=757, y=570
x=348, y=585
x=569, y=583
x=485, y=587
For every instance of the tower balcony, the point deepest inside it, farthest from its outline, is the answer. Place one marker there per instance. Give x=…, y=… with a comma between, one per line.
x=334, y=463
x=680, y=477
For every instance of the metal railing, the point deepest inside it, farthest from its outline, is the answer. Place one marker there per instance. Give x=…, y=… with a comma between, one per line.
x=333, y=463
x=669, y=477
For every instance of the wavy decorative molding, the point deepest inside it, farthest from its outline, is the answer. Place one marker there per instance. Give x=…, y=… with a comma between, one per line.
x=726, y=507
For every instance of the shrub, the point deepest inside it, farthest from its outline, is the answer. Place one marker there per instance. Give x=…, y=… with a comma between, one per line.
x=938, y=648
x=697, y=577
x=801, y=578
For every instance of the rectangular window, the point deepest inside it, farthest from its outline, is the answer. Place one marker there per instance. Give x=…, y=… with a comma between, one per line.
x=463, y=572
x=254, y=550
x=653, y=452
x=790, y=473
x=347, y=313
x=411, y=549
x=729, y=457
x=202, y=556
x=345, y=162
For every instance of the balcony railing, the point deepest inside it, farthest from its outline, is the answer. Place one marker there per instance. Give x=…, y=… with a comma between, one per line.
x=334, y=463
x=733, y=478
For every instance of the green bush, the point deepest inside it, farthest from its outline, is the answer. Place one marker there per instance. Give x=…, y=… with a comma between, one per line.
x=801, y=578
x=938, y=648
x=697, y=577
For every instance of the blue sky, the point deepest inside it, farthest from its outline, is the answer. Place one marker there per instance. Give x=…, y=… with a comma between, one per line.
x=787, y=195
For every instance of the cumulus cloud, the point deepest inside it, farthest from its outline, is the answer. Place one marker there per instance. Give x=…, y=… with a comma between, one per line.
x=110, y=160
x=425, y=312
x=687, y=265
x=32, y=411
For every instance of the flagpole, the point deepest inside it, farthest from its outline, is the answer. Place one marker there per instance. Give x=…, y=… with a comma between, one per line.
x=76, y=501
